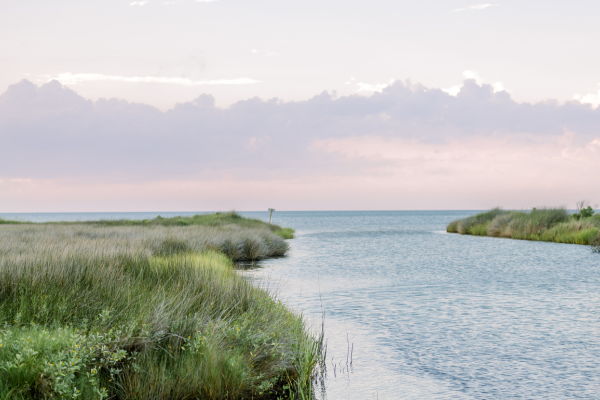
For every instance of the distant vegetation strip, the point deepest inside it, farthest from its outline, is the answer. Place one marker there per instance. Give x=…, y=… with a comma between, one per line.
x=102, y=310
x=214, y=219
x=543, y=224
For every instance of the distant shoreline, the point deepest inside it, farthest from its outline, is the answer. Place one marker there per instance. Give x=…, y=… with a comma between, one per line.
x=544, y=224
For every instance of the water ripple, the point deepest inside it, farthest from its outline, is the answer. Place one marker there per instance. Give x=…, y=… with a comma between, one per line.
x=443, y=316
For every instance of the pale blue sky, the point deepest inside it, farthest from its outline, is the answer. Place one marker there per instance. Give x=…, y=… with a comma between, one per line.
x=537, y=49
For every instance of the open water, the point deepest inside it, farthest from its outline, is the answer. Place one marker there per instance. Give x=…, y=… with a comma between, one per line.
x=431, y=315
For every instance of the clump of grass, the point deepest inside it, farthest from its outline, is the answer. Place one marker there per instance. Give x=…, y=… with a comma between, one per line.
x=170, y=246
x=475, y=225
x=452, y=227
x=498, y=226
x=285, y=233
x=545, y=224
x=131, y=312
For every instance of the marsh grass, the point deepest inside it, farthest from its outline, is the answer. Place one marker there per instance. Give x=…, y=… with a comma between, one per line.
x=145, y=312
x=595, y=245
x=218, y=219
x=9, y=221
x=475, y=225
x=544, y=224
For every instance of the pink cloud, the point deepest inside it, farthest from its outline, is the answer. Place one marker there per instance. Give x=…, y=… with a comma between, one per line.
x=409, y=147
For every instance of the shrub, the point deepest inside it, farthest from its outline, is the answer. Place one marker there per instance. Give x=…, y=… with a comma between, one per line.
x=586, y=212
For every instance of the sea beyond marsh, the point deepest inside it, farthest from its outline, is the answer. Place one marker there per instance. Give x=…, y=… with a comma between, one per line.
x=428, y=314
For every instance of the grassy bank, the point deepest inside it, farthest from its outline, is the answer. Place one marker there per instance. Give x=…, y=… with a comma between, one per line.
x=218, y=219
x=545, y=224
x=238, y=237
x=95, y=311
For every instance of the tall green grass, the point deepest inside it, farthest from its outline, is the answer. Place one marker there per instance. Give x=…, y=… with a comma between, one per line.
x=145, y=312
x=544, y=224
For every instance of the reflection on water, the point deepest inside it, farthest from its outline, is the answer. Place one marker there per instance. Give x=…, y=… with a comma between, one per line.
x=441, y=316
x=248, y=265
x=433, y=315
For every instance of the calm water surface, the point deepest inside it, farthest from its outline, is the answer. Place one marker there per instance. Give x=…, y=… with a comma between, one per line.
x=434, y=315
x=443, y=316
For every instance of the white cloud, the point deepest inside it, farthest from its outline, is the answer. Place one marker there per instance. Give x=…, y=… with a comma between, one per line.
x=475, y=7
x=68, y=78
x=468, y=74
x=453, y=91
x=139, y=3
x=368, y=87
x=592, y=98
x=498, y=87
x=205, y=1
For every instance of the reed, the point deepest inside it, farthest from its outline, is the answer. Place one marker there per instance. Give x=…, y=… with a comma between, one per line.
x=595, y=245
x=544, y=224
x=97, y=311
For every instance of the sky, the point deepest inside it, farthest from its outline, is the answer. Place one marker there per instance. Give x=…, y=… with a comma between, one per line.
x=330, y=105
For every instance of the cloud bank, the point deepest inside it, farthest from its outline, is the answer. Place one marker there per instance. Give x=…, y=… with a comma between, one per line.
x=407, y=146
